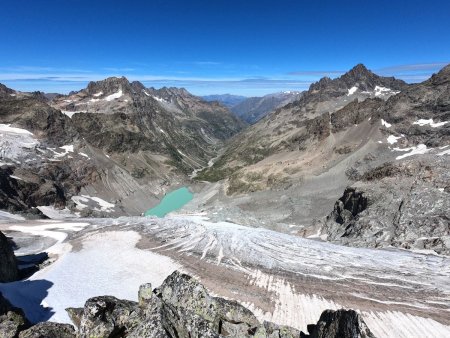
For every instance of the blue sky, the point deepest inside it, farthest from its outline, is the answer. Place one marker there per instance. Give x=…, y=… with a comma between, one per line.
x=217, y=46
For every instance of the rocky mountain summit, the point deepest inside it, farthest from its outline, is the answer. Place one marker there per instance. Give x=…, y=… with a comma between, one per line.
x=181, y=307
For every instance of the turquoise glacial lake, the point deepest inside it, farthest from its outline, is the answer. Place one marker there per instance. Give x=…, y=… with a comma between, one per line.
x=174, y=200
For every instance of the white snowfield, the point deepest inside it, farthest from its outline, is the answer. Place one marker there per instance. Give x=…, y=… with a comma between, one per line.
x=423, y=122
x=400, y=293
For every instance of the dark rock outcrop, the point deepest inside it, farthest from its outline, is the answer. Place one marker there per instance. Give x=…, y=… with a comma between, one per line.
x=337, y=324
x=8, y=264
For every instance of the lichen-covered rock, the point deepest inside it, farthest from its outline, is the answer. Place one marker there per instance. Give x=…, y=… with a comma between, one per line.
x=12, y=320
x=107, y=316
x=8, y=264
x=49, y=330
x=339, y=324
x=189, y=311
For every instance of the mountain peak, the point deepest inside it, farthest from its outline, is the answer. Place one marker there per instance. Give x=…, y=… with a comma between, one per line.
x=109, y=85
x=361, y=78
x=357, y=74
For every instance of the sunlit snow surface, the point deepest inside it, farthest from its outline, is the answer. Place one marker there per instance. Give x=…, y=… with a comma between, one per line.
x=106, y=261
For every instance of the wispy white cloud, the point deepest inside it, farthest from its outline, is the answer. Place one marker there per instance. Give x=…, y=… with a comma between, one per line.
x=432, y=66
x=317, y=72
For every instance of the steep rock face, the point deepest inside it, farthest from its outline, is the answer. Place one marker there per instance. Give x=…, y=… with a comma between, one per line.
x=340, y=323
x=8, y=264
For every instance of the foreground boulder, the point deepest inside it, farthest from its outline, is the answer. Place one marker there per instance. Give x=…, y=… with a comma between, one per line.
x=8, y=264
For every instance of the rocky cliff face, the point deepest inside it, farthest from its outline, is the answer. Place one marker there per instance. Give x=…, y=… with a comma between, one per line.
x=8, y=264
x=180, y=308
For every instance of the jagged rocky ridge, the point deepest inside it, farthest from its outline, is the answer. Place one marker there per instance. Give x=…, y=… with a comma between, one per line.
x=181, y=307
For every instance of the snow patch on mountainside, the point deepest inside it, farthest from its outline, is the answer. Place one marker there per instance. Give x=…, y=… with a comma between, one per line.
x=417, y=150
x=352, y=91
x=114, y=96
x=423, y=122
x=386, y=124
x=393, y=139
x=379, y=91
x=94, y=203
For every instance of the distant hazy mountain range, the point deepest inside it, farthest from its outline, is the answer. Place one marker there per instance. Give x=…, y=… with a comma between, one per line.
x=252, y=109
